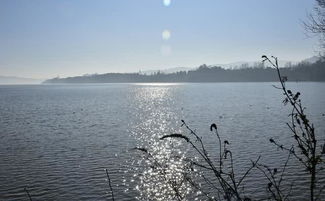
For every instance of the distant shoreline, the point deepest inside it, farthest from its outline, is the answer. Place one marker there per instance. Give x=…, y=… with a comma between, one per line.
x=94, y=83
x=303, y=72
x=144, y=83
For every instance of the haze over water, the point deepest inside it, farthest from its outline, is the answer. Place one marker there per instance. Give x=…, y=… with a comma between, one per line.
x=61, y=141
x=58, y=139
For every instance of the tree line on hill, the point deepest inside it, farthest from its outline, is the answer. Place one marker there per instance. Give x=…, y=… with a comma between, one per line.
x=258, y=73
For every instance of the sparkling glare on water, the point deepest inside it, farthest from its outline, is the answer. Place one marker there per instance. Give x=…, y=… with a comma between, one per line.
x=162, y=169
x=58, y=139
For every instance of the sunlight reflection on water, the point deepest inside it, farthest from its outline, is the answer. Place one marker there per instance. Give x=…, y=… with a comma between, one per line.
x=58, y=139
x=162, y=166
x=158, y=84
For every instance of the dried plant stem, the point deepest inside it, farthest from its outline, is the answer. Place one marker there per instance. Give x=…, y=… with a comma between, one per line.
x=110, y=184
x=28, y=194
x=304, y=136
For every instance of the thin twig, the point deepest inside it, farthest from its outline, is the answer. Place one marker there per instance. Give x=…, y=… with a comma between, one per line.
x=110, y=185
x=28, y=194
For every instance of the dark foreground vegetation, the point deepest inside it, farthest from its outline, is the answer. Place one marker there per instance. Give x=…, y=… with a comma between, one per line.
x=204, y=176
x=214, y=178
x=258, y=73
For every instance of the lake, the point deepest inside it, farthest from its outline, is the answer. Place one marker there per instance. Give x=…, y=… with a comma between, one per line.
x=57, y=140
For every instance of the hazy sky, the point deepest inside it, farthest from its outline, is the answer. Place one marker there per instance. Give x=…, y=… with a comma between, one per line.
x=43, y=38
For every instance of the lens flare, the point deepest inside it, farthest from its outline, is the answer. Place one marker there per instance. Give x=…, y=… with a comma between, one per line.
x=166, y=34
x=166, y=50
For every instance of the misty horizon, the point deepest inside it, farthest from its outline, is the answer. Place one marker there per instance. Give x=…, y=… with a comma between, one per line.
x=54, y=38
x=162, y=100
x=234, y=65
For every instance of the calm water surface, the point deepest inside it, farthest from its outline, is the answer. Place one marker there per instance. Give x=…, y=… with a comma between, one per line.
x=58, y=139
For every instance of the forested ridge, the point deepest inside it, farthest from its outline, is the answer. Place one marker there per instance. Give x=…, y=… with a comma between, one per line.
x=299, y=72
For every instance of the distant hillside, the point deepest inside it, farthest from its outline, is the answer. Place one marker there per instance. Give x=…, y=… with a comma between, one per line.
x=284, y=63
x=245, y=64
x=301, y=72
x=18, y=80
x=312, y=60
x=166, y=71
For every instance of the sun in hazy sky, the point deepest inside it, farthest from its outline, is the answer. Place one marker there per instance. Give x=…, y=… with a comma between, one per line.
x=43, y=39
x=167, y=2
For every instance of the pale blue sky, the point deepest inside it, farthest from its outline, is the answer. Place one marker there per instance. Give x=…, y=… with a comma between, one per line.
x=46, y=38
